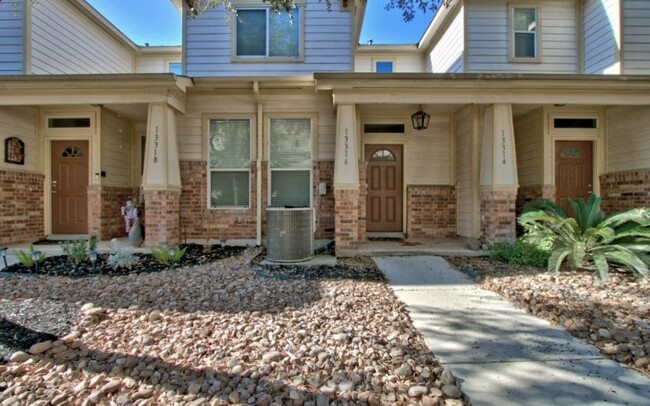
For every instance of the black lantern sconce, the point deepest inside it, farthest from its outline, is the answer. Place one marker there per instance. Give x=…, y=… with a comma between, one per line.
x=420, y=120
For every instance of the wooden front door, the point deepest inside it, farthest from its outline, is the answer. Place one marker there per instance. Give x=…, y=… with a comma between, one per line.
x=573, y=171
x=384, y=201
x=69, y=187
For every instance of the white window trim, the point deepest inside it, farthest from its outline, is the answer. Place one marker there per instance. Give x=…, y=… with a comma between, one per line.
x=314, y=142
x=268, y=59
x=206, y=119
x=511, y=33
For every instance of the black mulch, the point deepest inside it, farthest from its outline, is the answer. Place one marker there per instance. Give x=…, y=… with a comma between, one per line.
x=60, y=265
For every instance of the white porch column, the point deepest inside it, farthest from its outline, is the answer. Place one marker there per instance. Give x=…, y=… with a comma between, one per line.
x=498, y=176
x=346, y=179
x=161, y=181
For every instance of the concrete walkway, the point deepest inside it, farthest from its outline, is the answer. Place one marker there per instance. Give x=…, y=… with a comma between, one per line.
x=500, y=354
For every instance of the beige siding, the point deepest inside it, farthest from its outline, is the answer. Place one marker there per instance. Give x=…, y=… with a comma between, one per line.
x=446, y=55
x=191, y=137
x=628, y=144
x=636, y=36
x=402, y=62
x=467, y=183
x=66, y=41
x=11, y=37
x=150, y=64
x=529, y=142
x=488, y=41
x=327, y=45
x=19, y=122
x=427, y=154
x=600, y=35
x=115, y=149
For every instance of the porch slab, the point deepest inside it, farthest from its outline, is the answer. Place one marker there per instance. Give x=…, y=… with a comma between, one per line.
x=414, y=246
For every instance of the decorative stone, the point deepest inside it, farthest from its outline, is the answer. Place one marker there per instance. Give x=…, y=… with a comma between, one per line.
x=418, y=390
x=39, y=348
x=451, y=391
x=19, y=356
x=271, y=356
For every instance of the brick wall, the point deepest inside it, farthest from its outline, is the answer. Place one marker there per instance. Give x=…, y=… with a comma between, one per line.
x=625, y=190
x=162, y=215
x=498, y=217
x=363, y=196
x=431, y=211
x=324, y=205
x=104, y=217
x=200, y=222
x=21, y=207
x=527, y=194
x=346, y=218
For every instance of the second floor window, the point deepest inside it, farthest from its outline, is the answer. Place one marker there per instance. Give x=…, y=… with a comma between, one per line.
x=384, y=66
x=263, y=33
x=525, y=31
x=175, y=67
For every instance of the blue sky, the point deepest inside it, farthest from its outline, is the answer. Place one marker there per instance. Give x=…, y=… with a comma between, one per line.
x=158, y=23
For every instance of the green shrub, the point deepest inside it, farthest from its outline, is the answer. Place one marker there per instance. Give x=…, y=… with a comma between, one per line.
x=590, y=240
x=26, y=258
x=520, y=253
x=74, y=250
x=164, y=256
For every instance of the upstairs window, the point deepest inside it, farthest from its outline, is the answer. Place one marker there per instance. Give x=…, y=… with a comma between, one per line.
x=261, y=33
x=525, y=34
x=384, y=66
x=175, y=67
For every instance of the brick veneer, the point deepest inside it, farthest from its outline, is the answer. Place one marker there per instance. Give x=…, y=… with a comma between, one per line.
x=324, y=205
x=346, y=218
x=200, y=222
x=498, y=217
x=363, y=199
x=21, y=207
x=104, y=218
x=431, y=211
x=162, y=216
x=625, y=190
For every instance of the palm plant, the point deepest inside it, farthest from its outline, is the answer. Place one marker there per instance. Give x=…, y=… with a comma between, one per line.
x=590, y=239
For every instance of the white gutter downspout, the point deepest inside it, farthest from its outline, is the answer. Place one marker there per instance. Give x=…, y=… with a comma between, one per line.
x=258, y=161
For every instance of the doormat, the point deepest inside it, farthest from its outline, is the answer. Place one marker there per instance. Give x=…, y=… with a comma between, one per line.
x=388, y=239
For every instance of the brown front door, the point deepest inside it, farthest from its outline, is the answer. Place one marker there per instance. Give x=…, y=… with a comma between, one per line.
x=573, y=171
x=384, y=202
x=69, y=187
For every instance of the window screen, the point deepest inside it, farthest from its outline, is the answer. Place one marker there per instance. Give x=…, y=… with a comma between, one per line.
x=290, y=162
x=525, y=32
x=262, y=32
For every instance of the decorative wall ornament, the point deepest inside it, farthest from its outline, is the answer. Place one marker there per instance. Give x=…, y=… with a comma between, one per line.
x=14, y=151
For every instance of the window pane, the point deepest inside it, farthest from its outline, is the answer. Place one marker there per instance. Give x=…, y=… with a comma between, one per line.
x=229, y=188
x=251, y=32
x=291, y=143
x=290, y=188
x=575, y=123
x=384, y=67
x=284, y=34
x=525, y=19
x=229, y=144
x=524, y=45
x=175, y=67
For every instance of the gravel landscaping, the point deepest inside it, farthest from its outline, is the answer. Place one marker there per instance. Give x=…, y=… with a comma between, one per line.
x=216, y=333
x=613, y=315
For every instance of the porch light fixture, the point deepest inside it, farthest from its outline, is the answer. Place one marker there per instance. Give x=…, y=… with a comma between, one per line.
x=420, y=120
x=3, y=254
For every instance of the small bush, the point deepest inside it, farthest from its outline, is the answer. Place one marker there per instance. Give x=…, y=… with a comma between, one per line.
x=520, y=253
x=26, y=259
x=74, y=250
x=163, y=255
x=120, y=257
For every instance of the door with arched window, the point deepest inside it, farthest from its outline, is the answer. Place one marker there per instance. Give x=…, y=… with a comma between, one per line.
x=573, y=171
x=69, y=187
x=384, y=201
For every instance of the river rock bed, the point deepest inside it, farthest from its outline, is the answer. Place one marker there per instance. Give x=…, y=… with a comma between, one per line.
x=217, y=334
x=613, y=315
